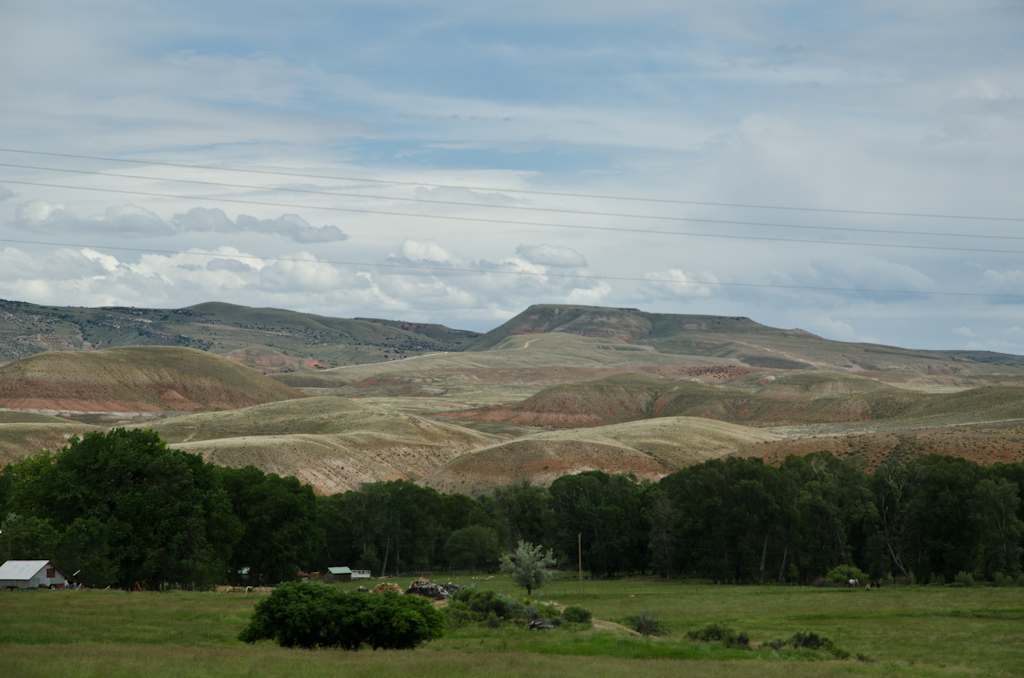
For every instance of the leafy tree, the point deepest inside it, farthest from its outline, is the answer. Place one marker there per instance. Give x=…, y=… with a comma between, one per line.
x=473, y=548
x=995, y=504
x=279, y=519
x=604, y=515
x=522, y=510
x=150, y=515
x=944, y=526
x=313, y=615
x=526, y=565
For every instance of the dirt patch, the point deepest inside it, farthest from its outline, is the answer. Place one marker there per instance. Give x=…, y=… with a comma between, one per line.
x=605, y=625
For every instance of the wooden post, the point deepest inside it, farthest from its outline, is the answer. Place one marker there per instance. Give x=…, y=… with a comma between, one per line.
x=579, y=545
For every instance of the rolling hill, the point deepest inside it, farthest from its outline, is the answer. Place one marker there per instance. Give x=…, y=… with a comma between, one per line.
x=804, y=398
x=334, y=444
x=647, y=449
x=134, y=379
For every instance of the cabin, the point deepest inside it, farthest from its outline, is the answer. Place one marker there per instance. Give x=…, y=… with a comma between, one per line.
x=31, y=574
x=337, y=575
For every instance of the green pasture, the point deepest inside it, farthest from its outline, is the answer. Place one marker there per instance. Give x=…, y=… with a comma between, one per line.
x=917, y=631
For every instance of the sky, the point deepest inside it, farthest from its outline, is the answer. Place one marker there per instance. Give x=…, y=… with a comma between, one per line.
x=850, y=168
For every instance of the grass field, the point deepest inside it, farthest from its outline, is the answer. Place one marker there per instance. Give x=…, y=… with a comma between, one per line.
x=920, y=631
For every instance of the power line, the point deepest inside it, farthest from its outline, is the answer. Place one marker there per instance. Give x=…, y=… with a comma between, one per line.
x=518, y=223
x=523, y=191
x=448, y=269
x=514, y=207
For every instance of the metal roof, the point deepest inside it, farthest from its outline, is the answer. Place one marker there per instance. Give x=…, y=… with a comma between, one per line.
x=339, y=570
x=22, y=569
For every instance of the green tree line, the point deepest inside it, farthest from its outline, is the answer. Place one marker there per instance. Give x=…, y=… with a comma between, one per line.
x=121, y=508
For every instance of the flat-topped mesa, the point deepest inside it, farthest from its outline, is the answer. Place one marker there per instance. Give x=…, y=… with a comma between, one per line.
x=626, y=324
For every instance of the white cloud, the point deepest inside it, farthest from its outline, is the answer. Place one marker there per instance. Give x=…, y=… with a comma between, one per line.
x=552, y=255
x=134, y=221
x=292, y=226
x=964, y=331
x=675, y=283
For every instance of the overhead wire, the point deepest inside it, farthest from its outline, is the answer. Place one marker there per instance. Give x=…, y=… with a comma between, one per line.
x=657, y=217
x=524, y=191
x=490, y=271
x=515, y=222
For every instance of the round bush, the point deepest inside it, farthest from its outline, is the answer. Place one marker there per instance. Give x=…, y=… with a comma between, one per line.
x=312, y=615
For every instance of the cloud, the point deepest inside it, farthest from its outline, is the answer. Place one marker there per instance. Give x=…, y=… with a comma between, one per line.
x=5, y=194
x=123, y=220
x=134, y=221
x=426, y=253
x=552, y=255
x=291, y=226
x=675, y=283
x=964, y=332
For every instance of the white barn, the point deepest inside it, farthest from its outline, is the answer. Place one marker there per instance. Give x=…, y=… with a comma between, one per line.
x=30, y=574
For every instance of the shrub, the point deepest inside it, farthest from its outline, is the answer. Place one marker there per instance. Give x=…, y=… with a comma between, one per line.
x=842, y=575
x=648, y=624
x=964, y=579
x=577, y=614
x=722, y=634
x=492, y=608
x=811, y=641
x=310, y=615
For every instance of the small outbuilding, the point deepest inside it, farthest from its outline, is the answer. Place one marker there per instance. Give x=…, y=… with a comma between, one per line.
x=337, y=574
x=31, y=574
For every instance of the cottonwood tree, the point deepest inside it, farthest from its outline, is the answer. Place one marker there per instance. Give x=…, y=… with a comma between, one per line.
x=526, y=565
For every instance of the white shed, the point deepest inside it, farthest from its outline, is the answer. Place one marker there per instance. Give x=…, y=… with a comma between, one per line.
x=30, y=574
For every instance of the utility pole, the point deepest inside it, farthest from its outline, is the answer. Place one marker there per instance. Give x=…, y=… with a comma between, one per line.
x=579, y=544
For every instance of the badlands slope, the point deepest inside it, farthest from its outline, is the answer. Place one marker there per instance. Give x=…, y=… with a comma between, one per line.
x=134, y=379
x=334, y=444
x=647, y=449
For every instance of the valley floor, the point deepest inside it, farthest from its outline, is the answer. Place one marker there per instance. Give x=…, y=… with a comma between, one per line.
x=918, y=631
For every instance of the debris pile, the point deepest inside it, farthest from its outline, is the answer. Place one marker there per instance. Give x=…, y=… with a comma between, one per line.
x=427, y=589
x=387, y=587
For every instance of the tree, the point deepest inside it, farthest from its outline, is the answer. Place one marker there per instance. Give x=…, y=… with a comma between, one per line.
x=472, y=548
x=995, y=505
x=526, y=565
x=279, y=519
x=147, y=514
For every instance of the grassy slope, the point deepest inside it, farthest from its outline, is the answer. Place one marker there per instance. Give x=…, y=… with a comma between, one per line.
x=648, y=449
x=134, y=378
x=804, y=398
x=20, y=440
x=921, y=631
x=332, y=443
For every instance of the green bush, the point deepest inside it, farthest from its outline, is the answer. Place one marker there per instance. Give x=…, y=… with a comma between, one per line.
x=577, y=614
x=964, y=579
x=647, y=623
x=722, y=634
x=844, y=573
x=309, y=615
x=492, y=608
x=811, y=641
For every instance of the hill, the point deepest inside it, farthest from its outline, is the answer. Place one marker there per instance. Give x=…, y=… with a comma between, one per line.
x=20, y=439
x=647, y=449
x=740, y=339
x=989, y=443
x=134, y=379
x=804, y=398
x=283, y=340
x=335, y=444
